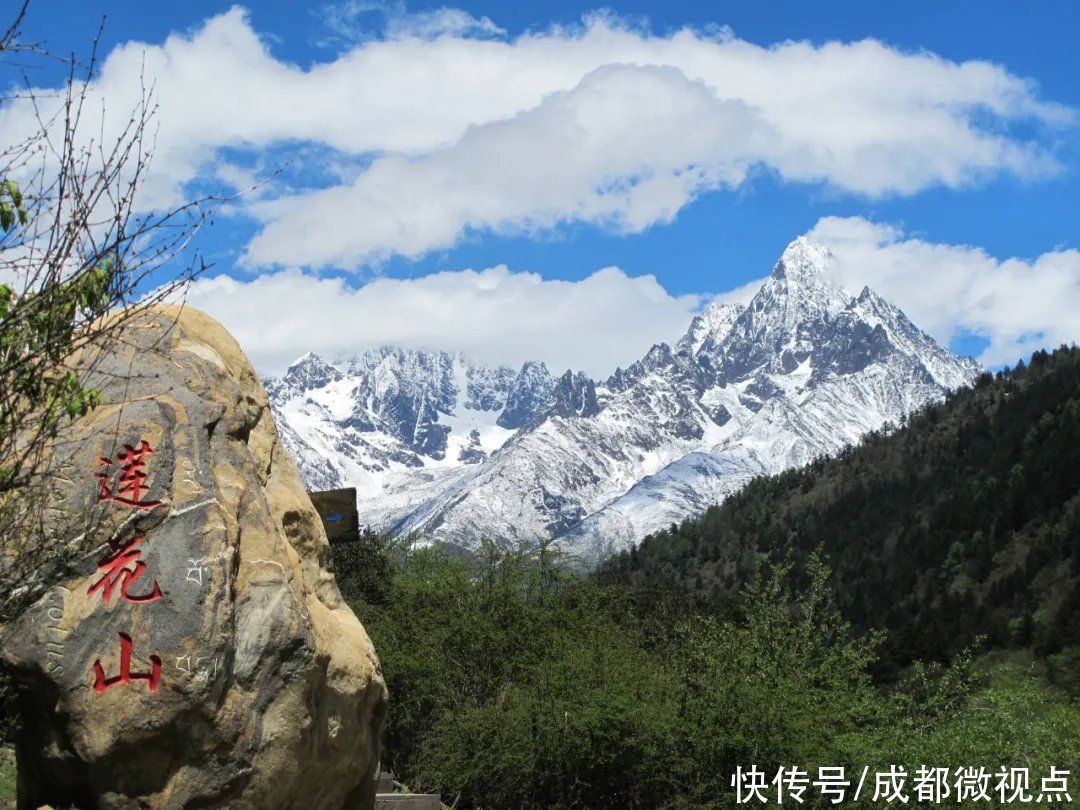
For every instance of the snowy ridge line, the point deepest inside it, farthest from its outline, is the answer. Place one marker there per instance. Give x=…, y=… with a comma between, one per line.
x=453, y=450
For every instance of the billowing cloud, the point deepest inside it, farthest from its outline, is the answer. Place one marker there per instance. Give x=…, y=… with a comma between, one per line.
x=494, y=315
x=1017, y=305
x=461, y=130
x=627, y=147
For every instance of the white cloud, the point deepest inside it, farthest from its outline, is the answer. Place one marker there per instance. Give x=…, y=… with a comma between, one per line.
x=644, y=123
x=742, y=294
x=1018, y=305
x=628, y=146
x=441, y=22
x=494, y=315
x=350, y=22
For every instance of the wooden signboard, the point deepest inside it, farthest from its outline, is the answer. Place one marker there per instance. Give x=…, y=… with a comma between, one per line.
x=337, y=508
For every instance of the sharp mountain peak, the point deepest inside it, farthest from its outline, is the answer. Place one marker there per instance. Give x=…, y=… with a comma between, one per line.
x=456, y=450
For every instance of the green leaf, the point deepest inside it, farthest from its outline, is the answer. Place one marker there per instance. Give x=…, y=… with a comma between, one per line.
x=14, y=192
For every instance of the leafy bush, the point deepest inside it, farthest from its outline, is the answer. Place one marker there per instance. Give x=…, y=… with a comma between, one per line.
x=516, y=684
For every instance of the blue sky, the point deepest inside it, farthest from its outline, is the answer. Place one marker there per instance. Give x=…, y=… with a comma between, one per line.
x=946, y=175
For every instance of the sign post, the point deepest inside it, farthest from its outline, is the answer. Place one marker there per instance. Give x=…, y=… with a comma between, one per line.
x=337, y=508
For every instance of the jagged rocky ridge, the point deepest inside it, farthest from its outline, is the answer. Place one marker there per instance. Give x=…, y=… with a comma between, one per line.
x=458, y=451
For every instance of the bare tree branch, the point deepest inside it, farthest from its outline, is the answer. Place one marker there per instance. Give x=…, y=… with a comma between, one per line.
x=83, y=260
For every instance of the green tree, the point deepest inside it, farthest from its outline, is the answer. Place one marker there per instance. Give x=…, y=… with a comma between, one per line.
x=362, y=567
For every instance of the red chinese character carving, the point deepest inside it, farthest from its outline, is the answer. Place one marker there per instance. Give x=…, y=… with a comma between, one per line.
x=153, y=677
x=117, y=571
x=132, y=478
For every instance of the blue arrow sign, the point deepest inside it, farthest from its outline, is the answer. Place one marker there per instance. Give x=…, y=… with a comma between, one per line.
x=334, y=518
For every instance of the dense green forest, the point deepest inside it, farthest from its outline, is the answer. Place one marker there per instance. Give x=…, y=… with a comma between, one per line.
x=516, y=683
x=963, y=522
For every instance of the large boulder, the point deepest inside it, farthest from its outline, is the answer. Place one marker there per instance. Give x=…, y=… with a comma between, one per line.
x=187, y=645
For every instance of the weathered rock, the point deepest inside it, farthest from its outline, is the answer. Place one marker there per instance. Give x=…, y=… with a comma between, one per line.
x=212, y=662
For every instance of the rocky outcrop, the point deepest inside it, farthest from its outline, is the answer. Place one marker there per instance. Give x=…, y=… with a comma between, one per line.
x=194, y=650
x=529, y=394
x=574, y=396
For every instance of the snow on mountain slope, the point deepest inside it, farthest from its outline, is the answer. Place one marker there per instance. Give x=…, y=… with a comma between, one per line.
x=714, y=322
x=398, y=425
x=456, y=451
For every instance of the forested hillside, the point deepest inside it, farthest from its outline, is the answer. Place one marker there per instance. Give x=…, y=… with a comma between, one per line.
x=965, y=521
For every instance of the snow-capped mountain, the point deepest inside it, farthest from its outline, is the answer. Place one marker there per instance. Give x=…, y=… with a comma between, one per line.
x=400, y=425
x=458, y=451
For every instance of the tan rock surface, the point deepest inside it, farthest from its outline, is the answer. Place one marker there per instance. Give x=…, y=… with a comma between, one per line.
x=249, y=682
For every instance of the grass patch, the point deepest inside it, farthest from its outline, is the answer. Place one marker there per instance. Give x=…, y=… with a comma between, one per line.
x=7, y=778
